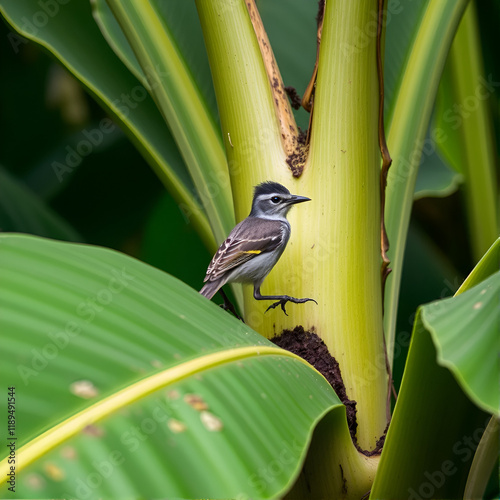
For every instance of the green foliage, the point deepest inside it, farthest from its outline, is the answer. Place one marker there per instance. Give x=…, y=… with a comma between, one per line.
x=137, y=341
x=456, y=340
x=117, y=364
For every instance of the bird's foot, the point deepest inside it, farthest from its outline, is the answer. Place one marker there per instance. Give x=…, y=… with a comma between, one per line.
x=227, y=306
x=286, y=299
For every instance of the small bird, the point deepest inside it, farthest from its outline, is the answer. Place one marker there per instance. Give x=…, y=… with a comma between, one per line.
x=254, y=246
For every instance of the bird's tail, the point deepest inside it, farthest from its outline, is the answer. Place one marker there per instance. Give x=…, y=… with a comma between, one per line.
x=210, y=288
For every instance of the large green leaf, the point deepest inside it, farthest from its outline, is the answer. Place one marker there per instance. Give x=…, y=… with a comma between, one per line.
x=464, y=330
x=434, y=430
x=448, y=393
x=130, y=384
x=70, y=33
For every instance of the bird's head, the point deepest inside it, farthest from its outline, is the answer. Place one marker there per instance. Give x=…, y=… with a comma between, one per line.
x=273, y=201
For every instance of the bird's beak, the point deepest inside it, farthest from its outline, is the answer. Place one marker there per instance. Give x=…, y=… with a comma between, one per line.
x=297, y=199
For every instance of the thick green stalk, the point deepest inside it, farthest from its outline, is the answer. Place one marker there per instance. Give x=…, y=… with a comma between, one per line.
x=333, y=255
x=340, y=243
x=471, y=92
x=182, y=106
x=412, y=111
x=333, y=467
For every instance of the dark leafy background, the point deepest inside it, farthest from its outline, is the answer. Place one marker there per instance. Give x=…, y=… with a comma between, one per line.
x=114, y=199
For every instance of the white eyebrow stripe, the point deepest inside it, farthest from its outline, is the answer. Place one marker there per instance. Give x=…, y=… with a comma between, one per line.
x=269, y=196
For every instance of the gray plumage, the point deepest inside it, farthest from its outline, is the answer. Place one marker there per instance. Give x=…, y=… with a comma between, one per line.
x=255, y=244
x=248, y=254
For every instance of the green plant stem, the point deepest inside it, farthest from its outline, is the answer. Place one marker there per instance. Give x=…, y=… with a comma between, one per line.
x=339, y=253
x=333, y=254
x=343, y=176
x=476, y=139
x=333, y=467
x=182, y=106
x=412, y=111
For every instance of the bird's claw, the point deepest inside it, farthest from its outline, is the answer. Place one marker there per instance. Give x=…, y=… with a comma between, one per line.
x=282, y=303
x=231, y=310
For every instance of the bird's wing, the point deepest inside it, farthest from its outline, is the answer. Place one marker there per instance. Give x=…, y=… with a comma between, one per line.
x=247, y=240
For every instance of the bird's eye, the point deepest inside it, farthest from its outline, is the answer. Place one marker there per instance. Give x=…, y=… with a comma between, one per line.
x=275, y=199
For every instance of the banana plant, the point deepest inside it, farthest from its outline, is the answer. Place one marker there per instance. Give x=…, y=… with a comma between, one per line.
x=124, y=382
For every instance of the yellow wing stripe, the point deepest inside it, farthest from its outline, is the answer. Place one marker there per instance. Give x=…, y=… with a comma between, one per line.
x=253, y=251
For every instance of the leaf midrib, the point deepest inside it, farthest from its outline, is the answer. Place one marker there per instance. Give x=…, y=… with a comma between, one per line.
x=68, y=428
